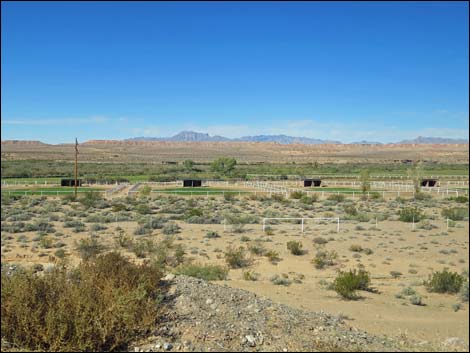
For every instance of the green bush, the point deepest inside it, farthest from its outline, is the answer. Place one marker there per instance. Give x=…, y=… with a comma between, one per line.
x=100, y=306
x=324, y=258
x=444, y=282
x=250, y=276
x=337, y=197
x=295, y=247
x=236, y=258
x=90, y=199
x=455, y=213
x=296, y=195
x=205, y=272
x=308, y=200
x=89, y=248
x=408, y=214
x=211, y=234
x=347, y=283
x=171, y=228
x=273, y=256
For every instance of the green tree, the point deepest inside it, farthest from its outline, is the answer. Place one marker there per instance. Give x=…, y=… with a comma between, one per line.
x=224, y=165
x=365, y=181
x=188, y=165
x=145, y=191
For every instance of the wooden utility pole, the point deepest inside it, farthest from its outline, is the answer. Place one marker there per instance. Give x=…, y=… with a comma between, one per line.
x=76, y=166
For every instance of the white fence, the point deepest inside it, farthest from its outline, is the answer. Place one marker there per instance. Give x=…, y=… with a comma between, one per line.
x=302, y=219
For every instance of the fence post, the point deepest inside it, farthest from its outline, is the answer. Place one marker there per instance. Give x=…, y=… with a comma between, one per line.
x=447, y=223
x=264, y=223
x=337, y=227
x=302, y=225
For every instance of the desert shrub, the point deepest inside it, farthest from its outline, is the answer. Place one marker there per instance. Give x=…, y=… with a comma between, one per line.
x=350, y=210
x=268, y=231
x=90, y=199
x=367, y=251
x=97, y=227
x=416, y=300
x=278, y=197
x=229, y=196
x=395, y=274
x=60, y=253
x=250, y=276
x=273, y=256
x=205, y=272
x=145, y=191
x=212, y=235
x=356, y=248
x=46, y=242
x=320, y=240
x=444, y=282
x=295, y=247
x=118, y=207
x=142, y=230
x=236, y=258
x=324, y=258
x=408, y=291
x=460, y=199
x=280, y=281
x=408, y=214
x=70, y=311
x=296, y=195
x=347, y=283
x=143, y=247
x=455, y=213
x=143, y=209
x=238, y=227
x=308, y=200
x=257, y=249
x=171, y=228
x=337, y=197
x=89, y=248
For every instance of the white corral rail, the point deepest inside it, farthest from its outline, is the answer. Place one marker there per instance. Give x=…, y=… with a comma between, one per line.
x=302, y=220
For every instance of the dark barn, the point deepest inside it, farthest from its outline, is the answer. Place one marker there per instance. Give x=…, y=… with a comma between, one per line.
x=429, y=182
x=70, y=182
x=192, y=183
x=312, y=182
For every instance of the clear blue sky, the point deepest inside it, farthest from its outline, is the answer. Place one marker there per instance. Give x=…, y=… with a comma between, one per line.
x=347, y=71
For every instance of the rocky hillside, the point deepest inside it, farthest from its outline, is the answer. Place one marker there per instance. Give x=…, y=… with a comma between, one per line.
x=202, y=316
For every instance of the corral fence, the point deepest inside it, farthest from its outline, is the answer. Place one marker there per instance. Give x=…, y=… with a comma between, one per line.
x=46, y=192
x=302, y=221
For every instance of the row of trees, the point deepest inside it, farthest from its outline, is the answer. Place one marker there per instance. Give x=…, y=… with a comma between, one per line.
x=222, y=165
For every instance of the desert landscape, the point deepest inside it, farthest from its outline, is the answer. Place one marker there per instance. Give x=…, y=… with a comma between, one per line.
x=194, y=176
x=277, y=239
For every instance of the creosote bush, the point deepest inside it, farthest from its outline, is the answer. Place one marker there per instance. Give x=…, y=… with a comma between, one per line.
x=102, y=305
x=444, y=282
x=236, y=258
x=295, y=247
x=347, y=283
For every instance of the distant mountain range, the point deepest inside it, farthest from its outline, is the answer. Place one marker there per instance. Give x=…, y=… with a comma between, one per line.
x=191, y=136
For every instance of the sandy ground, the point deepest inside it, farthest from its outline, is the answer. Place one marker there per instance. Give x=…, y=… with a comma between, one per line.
x=395, y=246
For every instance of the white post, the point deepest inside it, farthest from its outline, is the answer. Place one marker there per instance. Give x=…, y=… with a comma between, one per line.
x=447, y=223
x=337, y=227
x=303, y=225
x=264, y=223
x=413, y=227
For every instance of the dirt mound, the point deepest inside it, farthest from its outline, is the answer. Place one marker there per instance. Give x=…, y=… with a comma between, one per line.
x=202, y=316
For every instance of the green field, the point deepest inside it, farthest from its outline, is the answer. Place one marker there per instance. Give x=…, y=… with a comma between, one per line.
x=49, y=191
x=201, y=190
